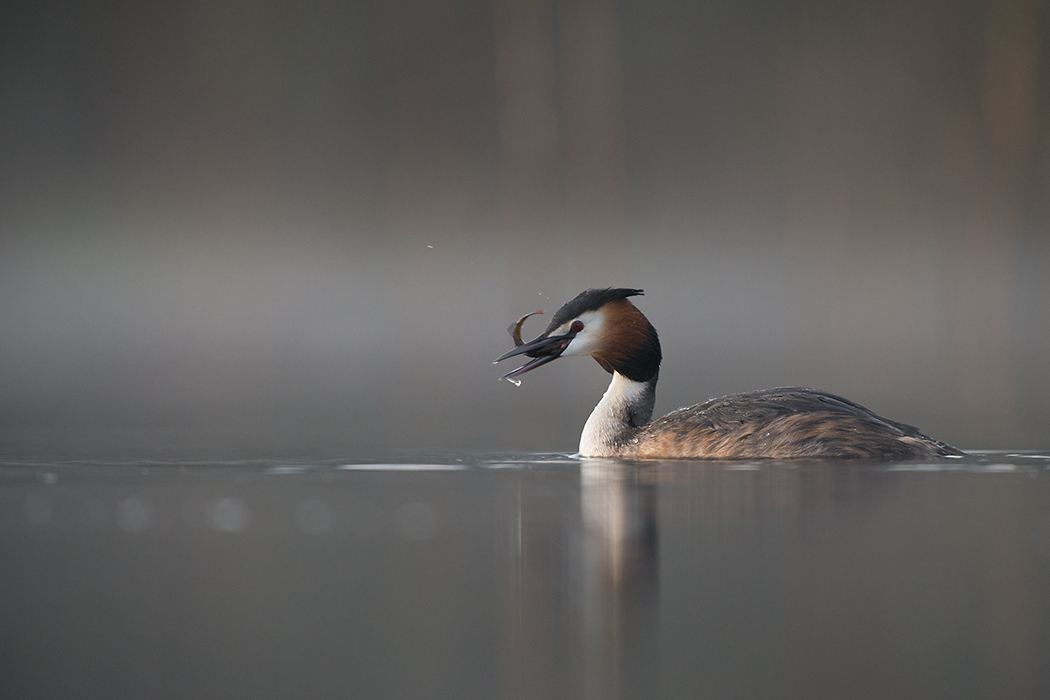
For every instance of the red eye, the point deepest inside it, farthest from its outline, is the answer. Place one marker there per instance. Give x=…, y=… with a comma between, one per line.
x=576, y=326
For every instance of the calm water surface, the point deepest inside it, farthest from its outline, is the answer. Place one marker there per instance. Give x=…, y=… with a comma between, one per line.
x=524, y=576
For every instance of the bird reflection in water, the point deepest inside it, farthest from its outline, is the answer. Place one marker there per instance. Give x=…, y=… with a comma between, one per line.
x=581, y=618
x=621, y=579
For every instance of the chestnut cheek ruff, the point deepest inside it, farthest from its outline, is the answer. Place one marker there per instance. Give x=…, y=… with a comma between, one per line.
x=630, y=344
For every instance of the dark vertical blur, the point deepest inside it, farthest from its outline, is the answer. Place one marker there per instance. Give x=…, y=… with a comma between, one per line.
x=309, y=223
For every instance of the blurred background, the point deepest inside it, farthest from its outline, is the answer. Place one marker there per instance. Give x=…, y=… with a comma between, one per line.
x=306, y=225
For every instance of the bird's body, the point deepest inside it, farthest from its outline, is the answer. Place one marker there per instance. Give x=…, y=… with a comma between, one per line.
x=788, y=423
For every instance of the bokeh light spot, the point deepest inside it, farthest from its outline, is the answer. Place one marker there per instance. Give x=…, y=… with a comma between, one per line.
x=227, y=514
x=134, y=514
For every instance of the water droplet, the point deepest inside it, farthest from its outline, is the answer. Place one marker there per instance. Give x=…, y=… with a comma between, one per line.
x=515, y=382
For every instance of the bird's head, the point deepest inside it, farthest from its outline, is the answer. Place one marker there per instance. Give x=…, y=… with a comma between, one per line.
x=602, y=323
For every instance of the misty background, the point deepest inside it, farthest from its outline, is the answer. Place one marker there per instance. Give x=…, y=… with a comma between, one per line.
x=306, y=225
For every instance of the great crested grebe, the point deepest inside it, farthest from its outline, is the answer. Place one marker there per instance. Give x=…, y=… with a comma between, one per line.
x=789, y=423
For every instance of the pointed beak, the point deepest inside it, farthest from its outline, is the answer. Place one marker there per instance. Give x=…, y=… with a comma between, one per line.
x=543, y=349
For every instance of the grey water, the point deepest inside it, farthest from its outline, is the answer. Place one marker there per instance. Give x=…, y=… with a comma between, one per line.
x=468, y=575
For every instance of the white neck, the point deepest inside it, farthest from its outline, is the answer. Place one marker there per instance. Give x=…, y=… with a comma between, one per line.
x=626, y=405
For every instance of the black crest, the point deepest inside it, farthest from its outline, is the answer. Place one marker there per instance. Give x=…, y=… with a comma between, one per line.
x=591, y=300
